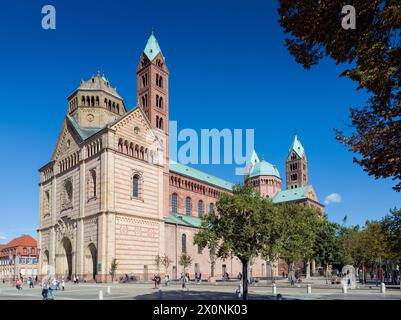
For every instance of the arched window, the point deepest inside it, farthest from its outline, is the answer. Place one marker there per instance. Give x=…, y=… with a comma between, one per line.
x=200, y=208
x=211, y=208
x=184, y=243
x=135, y=186
x=161, y=123
x=83, y=100
x=97, y=100
x=157, y=121
x=174, y=203
x=161, y=82
x=188, y=206
x=161, y=102
x=157, y=100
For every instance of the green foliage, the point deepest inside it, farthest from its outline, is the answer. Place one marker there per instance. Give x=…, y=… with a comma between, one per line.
x=299, y=231
x=113, y=268
x=158, y=261
x=165, y=262
x=373, y=53
x=327, y=246
x=392, y=226
x=248, y=226
x=185, y=260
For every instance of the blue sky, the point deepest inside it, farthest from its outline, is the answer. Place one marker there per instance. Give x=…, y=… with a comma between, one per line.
x=228, y=69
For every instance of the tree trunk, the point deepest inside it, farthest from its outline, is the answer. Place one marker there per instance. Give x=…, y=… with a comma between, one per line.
x=244, y=279
x=308, y=269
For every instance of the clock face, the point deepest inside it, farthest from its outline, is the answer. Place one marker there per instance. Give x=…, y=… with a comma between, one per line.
x=90, y=117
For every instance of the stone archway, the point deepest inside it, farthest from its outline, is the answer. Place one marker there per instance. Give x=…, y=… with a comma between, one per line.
x=91, y=262
x=64, y=259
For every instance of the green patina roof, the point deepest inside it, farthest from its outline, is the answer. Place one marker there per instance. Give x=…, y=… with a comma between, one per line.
x=84, y=133
x=297, y=147
x=291, y=195
x=152, y=48
x=264, y=168
x=199, y=175
x=188, y=221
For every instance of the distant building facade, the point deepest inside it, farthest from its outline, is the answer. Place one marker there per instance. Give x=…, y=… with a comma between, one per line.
x=19, y=257
x=111, y=192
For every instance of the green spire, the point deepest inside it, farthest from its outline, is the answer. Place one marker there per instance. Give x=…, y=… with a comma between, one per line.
x=152, y=48
x=297, y=147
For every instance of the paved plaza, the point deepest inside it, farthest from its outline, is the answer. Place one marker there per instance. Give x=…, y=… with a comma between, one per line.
x=218, y=291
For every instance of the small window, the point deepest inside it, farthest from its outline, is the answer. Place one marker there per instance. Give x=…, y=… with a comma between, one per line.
x=200, y=208
x=188, y=206
x=184, y=243
x=174, y=203
x=135, y=186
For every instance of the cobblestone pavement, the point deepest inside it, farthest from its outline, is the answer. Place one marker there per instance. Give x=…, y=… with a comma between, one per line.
x=220, y=291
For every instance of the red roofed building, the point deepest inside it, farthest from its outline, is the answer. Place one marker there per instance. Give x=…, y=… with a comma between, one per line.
x=19, y=256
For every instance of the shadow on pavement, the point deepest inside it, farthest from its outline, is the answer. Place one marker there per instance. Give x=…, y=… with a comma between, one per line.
x=199, y=295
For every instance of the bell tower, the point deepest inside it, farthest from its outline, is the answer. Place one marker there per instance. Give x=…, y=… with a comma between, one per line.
x=152, y=94
x=296, y=166
x=152, y=85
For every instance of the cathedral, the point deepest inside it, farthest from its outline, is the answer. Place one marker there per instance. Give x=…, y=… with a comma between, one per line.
x=111, y=193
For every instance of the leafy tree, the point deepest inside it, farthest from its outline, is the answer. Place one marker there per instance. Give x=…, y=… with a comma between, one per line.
x=158, y=261
x=299, y=232
x=113, y=268
x=239, y=229
x=166, y=262
x=185, y=260
x=392, y=226
x=327, y=244
x=373, y=53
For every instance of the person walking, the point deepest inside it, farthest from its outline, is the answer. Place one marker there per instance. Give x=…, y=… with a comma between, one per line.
x=45, y=288
x=18, y=285
x=166, y=280
x=62, y=284
x=183, y=280
x=30, y=281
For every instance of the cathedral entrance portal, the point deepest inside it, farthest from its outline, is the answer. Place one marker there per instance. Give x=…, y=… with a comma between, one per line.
x=67, y=258
x=91, y=262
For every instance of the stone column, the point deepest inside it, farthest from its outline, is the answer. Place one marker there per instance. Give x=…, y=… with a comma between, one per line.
x=53, y=240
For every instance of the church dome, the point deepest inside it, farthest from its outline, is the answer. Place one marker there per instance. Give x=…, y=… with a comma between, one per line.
x=264, y=168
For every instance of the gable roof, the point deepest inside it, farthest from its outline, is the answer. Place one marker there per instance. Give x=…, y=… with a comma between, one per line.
x=84, y=133
x=25, y=240
x=200, y=175
x=291, y=195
